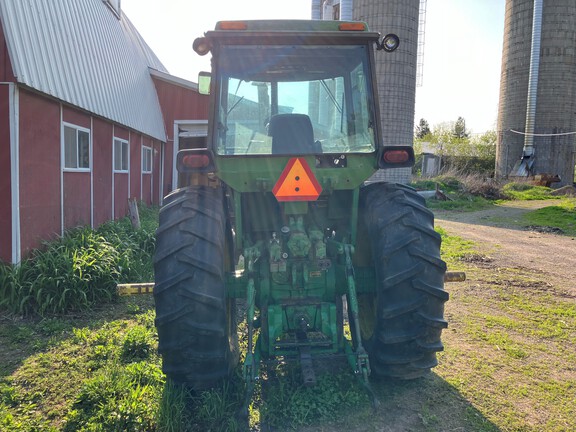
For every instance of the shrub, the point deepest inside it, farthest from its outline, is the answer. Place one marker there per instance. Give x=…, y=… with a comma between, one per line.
x=80, y=269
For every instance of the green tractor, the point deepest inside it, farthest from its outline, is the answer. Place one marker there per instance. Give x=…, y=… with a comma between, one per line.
x=277, y=210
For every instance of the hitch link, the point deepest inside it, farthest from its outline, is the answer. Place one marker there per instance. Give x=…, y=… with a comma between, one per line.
x=362, y=366
x=251, y=363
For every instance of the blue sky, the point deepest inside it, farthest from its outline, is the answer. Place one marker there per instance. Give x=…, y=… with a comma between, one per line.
x=462, y=54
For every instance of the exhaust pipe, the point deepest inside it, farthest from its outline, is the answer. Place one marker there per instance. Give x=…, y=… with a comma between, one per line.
x=523, y=168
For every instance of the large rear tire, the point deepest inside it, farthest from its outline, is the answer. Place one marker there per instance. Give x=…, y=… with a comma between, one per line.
x=194, y=318
x=401, y=323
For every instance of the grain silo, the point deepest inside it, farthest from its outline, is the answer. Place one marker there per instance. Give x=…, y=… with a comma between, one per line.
x=396, y=71
x=537, y=108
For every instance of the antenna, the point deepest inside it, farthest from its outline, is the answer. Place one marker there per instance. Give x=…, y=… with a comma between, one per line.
x=421, y=37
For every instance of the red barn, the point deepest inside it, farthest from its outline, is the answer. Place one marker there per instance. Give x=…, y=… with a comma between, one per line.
x=89, y=117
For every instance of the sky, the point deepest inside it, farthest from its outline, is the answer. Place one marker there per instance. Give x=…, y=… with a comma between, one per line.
x=462, y=48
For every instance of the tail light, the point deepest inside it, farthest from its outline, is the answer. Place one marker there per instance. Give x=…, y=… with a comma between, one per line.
x=396, y=157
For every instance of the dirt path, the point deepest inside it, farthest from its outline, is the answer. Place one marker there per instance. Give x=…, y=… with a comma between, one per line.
x=499, y=234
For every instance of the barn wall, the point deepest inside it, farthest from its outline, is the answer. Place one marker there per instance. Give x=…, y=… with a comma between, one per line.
x=76, y=188
x=135, y=165
x=39, y=132
x=156, y=169
x=120, y=191
x=46, y=192
x=102, y=177
x=146, y=187
x=77, y=199
x=177, y=103
x=5, y=173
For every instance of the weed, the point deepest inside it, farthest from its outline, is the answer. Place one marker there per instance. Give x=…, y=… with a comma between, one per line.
x=526, y=192
x=138, y=344
x=287, y=401
x=173, y=412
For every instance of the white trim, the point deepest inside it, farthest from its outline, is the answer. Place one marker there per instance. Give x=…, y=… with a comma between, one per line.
x=162, y=161
x=147, y=148
x=14, y=120
x=91, y=151
x=63, y=147
x=172, y=79
x=61, y=170
x=144, y=149
x=123, y=141
x=112, y=167
x=129, y=162
x=174, y=155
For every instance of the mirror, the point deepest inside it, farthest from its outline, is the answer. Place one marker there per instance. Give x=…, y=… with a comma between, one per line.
x=204, y=79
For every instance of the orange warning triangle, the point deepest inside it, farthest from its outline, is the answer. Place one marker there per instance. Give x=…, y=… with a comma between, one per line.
x=297, y=182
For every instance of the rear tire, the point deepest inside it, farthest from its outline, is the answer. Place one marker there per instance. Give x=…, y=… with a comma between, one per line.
x=194, y=317
x=402, y=323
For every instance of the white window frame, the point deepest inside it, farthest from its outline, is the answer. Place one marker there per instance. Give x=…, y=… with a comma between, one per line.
x=145, y=168
x=123, y=143
x=77, y=129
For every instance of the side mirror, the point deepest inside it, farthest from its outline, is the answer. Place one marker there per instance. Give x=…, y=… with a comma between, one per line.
x=204, y=79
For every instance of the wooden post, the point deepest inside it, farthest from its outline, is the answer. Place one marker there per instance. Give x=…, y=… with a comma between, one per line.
x=133, y=213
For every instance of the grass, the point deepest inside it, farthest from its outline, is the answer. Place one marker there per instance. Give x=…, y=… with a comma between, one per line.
x=526, y=192
x=521, y=332
x=508, y=365
x=561, y=216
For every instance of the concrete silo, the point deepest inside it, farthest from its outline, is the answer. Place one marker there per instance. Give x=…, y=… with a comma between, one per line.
x=396, y=71
x=537, y=107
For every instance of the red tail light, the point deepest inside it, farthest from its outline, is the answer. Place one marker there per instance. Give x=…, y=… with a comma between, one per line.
x=396, y=156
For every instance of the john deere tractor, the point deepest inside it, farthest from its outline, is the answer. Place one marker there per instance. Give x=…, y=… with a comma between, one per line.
x=277, y=210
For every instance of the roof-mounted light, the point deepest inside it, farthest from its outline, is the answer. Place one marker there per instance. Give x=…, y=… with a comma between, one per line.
x=201, y=46
x=389, y=43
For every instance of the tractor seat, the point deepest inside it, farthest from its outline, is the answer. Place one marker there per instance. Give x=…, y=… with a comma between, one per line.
x=292, y=134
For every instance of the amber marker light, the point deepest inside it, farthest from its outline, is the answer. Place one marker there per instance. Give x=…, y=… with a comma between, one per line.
x=196, y=161
x=232, y=25
x=352, y=26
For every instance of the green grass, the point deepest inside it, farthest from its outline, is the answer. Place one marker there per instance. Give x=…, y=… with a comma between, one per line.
x=526, y=192
x=562, y=216
x=508, y=365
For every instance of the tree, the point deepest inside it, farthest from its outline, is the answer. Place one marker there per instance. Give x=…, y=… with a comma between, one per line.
x=460, y=128
x=422, y=129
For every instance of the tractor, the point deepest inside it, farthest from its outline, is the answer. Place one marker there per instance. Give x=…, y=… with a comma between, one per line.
x=278, y=209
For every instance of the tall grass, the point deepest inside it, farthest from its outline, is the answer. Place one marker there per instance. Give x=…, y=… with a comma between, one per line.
x=80, y=269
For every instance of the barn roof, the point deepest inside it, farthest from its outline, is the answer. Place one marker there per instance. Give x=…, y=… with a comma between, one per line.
x=84, y=53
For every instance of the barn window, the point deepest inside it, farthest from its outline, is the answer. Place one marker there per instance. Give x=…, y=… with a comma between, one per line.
x=120, y=155
x=146, y=160
x=76, y=148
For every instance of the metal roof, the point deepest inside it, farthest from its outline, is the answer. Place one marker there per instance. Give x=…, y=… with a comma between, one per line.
x=83, y=53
